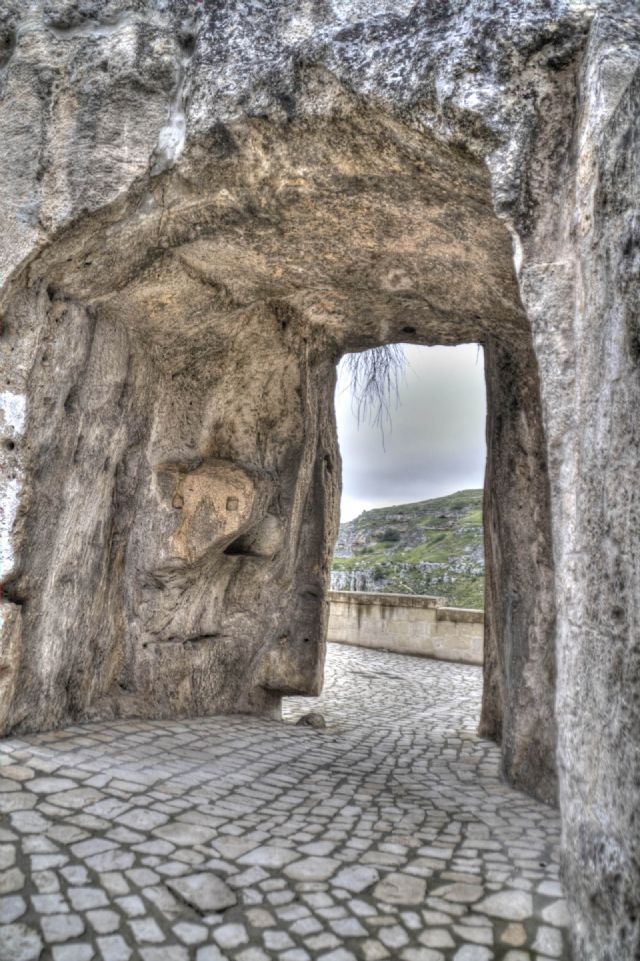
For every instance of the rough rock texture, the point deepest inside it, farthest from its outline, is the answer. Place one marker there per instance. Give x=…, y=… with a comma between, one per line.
x=204, y=204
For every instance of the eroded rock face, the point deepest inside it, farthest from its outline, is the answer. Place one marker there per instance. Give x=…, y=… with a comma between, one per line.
x=203, y=207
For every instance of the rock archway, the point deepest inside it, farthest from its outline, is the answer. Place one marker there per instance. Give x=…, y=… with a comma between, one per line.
x=203, y=212
x=180, y=456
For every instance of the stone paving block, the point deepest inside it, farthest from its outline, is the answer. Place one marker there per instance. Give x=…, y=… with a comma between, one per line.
x=146, y=930
x=269, y=856
x=82, y=899
x=479, y=935
x=356, y=878
x=190, y=933
x=373, y=950
x=104, y=921
x=437, y=938
x=78, y=798
x=11, y=908
x=168, y=952
x=251, y=954
x=210, y=952
x=251, y=876
x=511, y=905
x=205, y=892
x=11, y=880
x=142, y=819
x=231, y=936
x=421, y=954
x=114, y=948
x=50, y=785
x=19, y=942
x=54, y=903
x=73, y=952
x=312, y=869
x=61, y=927
x=473, y=952
x=401, y=889
x=459, y=892
x=180, y=833
x=557, y=914
x=17, y=772
x=548, y=941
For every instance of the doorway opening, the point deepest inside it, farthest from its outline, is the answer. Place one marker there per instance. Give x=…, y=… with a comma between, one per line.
x=413, y=477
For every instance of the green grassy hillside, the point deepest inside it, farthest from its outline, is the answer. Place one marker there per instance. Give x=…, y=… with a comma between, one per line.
x=431, y=547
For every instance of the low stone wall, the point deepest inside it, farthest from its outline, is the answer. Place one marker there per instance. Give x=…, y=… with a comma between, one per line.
x=406, y=624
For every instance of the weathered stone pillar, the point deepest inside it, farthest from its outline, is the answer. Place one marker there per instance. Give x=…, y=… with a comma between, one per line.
x=519, y=689
x=580, y=287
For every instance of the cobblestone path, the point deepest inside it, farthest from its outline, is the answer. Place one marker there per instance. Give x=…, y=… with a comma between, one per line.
x=387, y=835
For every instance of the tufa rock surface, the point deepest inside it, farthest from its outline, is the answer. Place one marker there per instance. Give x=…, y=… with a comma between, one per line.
x=204, y=205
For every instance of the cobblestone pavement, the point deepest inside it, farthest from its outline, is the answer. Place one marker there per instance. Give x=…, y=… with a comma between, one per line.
x=387, y=835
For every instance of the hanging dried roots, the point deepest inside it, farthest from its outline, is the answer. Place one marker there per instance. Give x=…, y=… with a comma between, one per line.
x=375, y=378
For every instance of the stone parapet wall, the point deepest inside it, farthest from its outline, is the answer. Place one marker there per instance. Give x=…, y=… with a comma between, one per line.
x=406, y=624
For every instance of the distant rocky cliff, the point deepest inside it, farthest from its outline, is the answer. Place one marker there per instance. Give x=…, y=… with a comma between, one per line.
x=431, y=547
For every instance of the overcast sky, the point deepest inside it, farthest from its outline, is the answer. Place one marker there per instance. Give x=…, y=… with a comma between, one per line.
x=436, y=442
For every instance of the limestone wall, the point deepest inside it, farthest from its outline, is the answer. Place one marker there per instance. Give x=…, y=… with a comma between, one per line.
x=406, y=624
x=204, y=206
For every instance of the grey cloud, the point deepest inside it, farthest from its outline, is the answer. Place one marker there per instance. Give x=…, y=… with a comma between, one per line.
x=436, y=443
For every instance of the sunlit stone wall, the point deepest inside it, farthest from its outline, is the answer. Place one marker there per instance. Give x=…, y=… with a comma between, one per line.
x=406, y=624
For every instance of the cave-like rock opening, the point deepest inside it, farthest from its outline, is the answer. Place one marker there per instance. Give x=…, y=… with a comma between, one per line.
x=202, y=211
x=179, y=464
